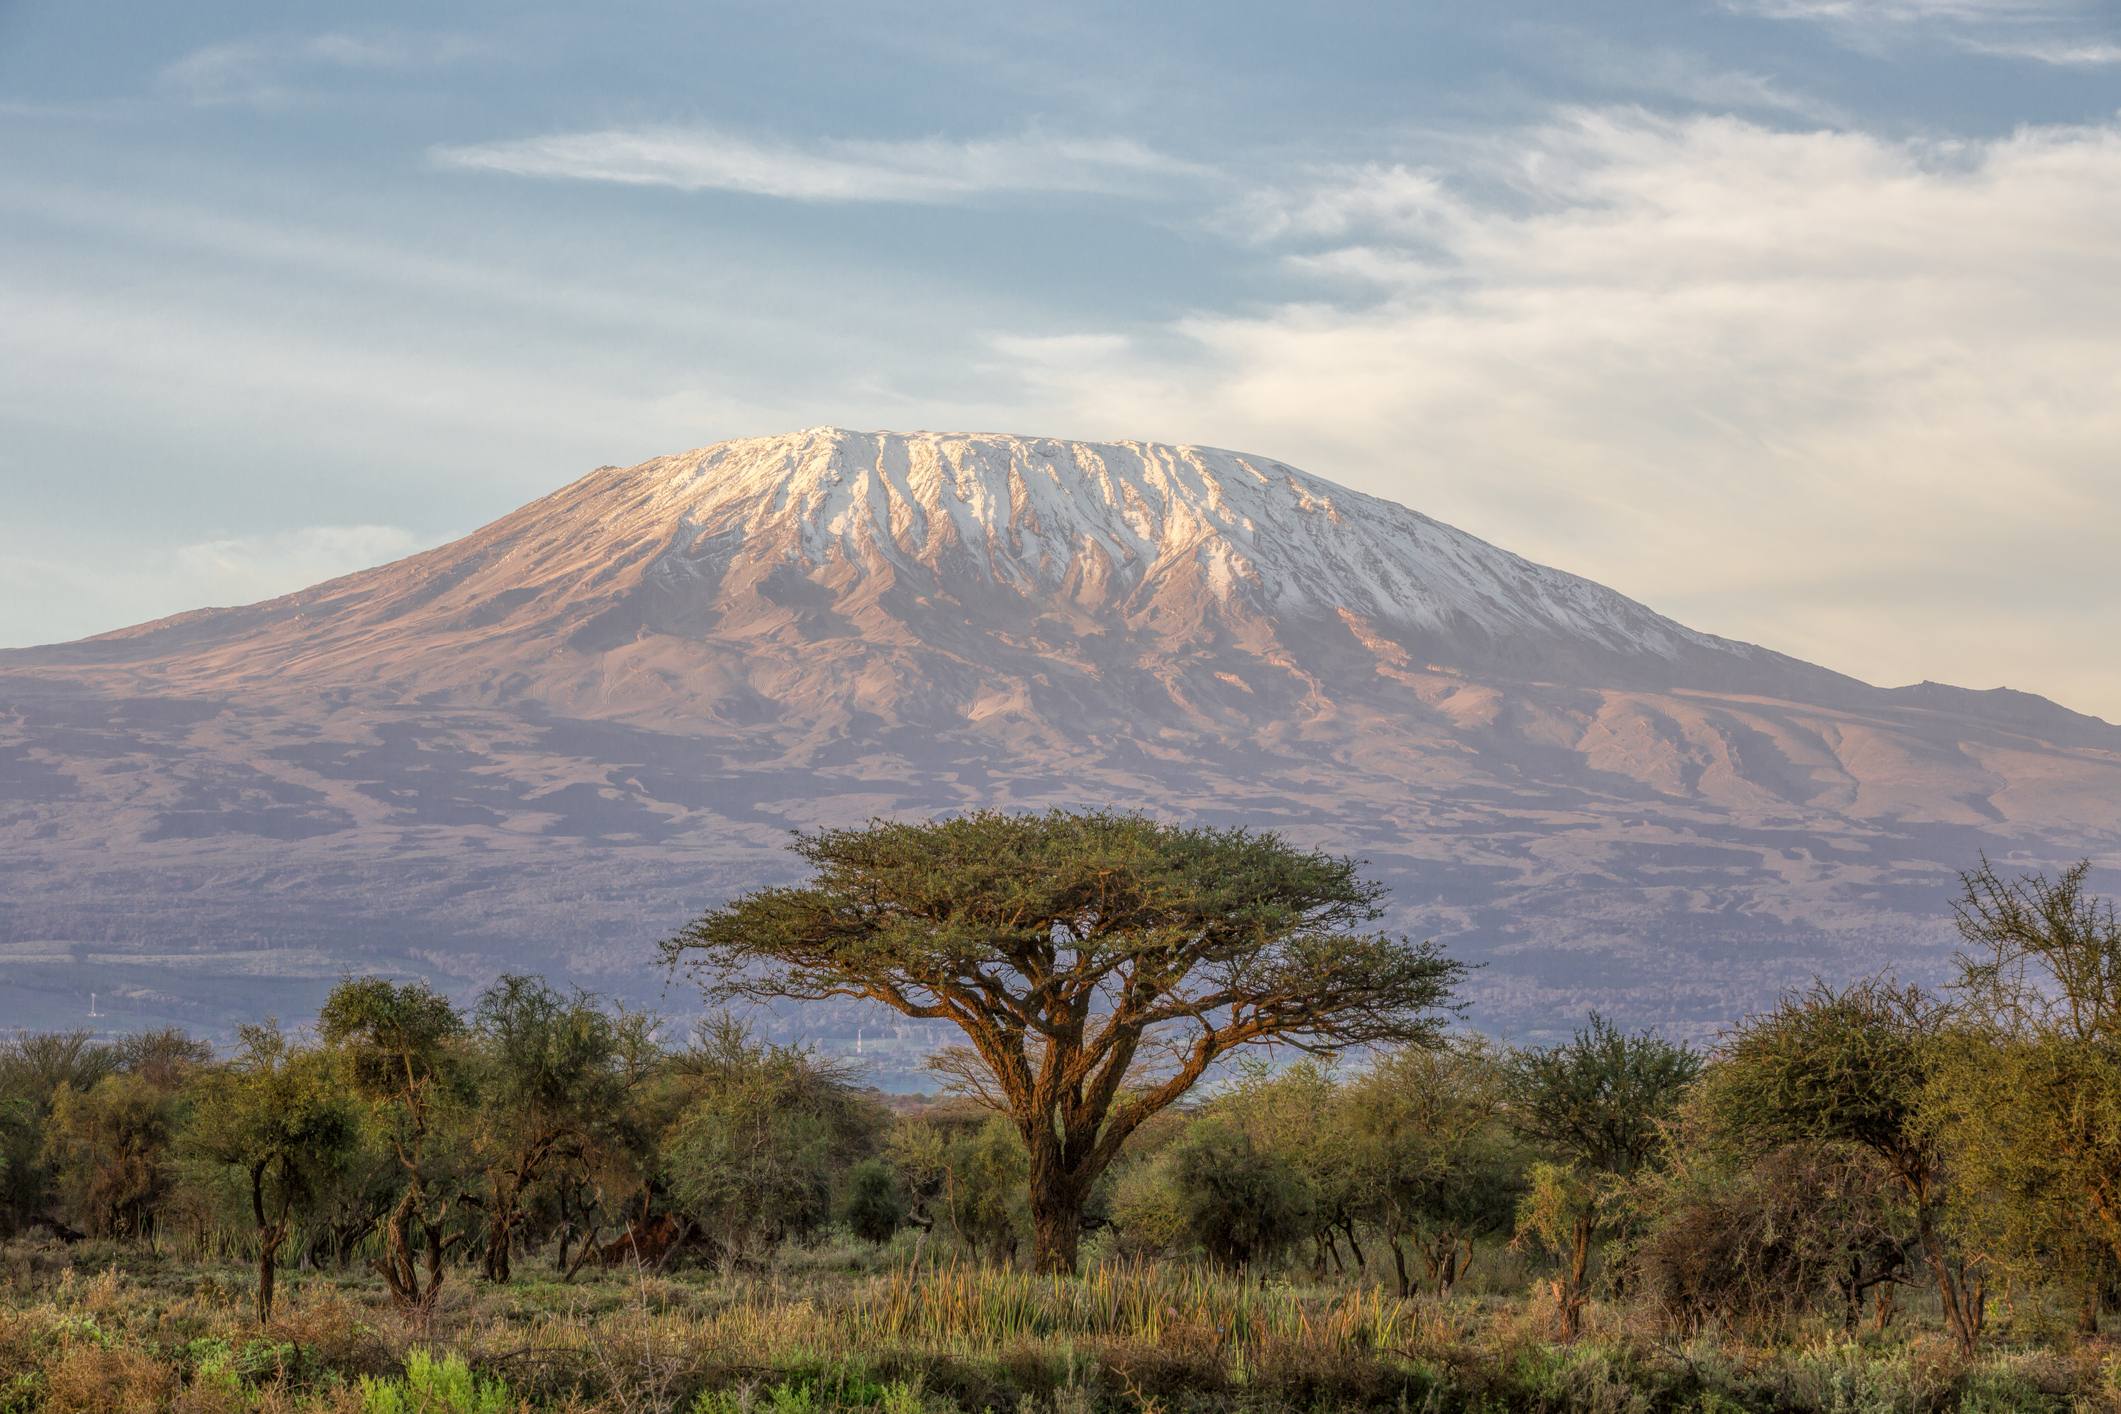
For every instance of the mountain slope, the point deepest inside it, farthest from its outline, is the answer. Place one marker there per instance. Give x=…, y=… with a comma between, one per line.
x=545, y=744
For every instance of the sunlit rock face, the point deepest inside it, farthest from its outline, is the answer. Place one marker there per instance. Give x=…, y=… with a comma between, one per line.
x=544, y=746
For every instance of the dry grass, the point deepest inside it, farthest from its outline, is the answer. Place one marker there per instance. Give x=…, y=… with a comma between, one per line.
x=139, y=1337
x=85, y=1378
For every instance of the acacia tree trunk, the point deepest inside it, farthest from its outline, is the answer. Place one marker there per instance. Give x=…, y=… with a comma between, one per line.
x=1056, y=1233
x=269, y=1240
x=270, y=1236
x=1058, y=1196
x=1573, y=1292
x=500, y=1234
x=1964, y=1304
x=1361, y=1264
x=399, y=1268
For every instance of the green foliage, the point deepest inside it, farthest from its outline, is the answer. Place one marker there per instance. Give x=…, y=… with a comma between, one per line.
x=1598, y=1102
x=432, y=1386
x=875, y=1208
x=986, y=1194
x=1827, y=1066
x=1600, y=1097
x=1427, y=1154
x=397, y=1041
x=399, y=1046
x=2024, y=1094
x=1148, y=1215
x=277, y=1108
x=35, y=1068
x=1853, y=1067
x=1241, y=1204
x=966, y=1169
x=752, y=1154
x=810, y=1393
x=1298, y=1112
x=1070, y=948
x=1560, y=1202
x=1756, y=1239
x=278, y=1116
x=554, y=1073
x=109, y=1148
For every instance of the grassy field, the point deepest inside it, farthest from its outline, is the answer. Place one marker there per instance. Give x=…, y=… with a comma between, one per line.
x=105, y=1329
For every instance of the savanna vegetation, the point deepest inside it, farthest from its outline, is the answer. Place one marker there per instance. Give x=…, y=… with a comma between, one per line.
x=1211, y=1143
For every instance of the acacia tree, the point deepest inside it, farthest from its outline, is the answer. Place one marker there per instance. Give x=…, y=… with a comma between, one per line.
x=2026, y=1093
x=400, y=1047
x=36, y=1070
x=275, y=1113
x=1599, y=1101
x=558, y=1072
x=1852, y=1067
x=1425, y=1146
x=1297, y=1112
x=750, y=1156
x=1098, y=964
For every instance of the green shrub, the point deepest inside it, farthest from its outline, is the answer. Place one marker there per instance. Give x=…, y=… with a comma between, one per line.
x=431, y=1386
x=874, y=1207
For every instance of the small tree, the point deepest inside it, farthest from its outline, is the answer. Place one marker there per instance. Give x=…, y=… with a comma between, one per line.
x=277, y=1114
x=1737, y=1236
x=556, y=1072
x=1072, y=950
x=2024, y=1093
x=752, y=1155
x=400, y=1049
x=1297, y=1112
x=35, y=1069
x=1851, y=1067
x=963, y=1166
x=1425, y=1145
x=875, y=1207
x=1598, y=1101
x=109, y=1148
x=1241, y=1204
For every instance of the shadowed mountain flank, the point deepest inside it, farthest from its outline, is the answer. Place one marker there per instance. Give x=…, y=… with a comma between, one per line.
x=545, y=745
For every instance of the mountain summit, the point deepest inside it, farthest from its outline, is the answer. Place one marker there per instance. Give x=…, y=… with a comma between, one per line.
x=1077, y=569
x=543, y=746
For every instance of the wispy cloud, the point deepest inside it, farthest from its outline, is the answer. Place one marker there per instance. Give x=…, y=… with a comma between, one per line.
x=247, y=568
x=79, y=594
x=929, y=170
x=2062, y=53
x=279, y=69
x=2055, y=32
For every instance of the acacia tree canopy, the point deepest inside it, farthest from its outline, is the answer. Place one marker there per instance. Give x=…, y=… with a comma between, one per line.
x=1074, y=950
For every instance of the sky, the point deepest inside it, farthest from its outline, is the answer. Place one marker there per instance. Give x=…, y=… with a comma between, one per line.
x=1797, y=320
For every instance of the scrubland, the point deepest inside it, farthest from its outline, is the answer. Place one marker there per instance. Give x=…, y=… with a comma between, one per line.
x=839, y=1324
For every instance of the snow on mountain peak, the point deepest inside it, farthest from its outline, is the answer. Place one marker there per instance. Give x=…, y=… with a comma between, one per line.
x=1118, y=520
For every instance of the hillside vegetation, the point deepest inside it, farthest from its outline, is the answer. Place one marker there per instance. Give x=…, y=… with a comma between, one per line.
x=1869, y=1198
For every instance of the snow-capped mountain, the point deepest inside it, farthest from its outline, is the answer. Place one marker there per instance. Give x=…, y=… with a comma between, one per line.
x=547, y=743
x=893, y=543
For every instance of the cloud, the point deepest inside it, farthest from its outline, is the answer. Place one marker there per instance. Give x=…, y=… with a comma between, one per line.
x=1757, y=378
x=929, y=170
x=2063, y=34
x=81, y=590
x=280, y=69
x=2063, y=53
x=245, y=569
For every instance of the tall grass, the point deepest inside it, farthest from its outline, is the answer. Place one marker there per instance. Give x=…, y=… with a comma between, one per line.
x=1120, y=1301
x=1123, y=1338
